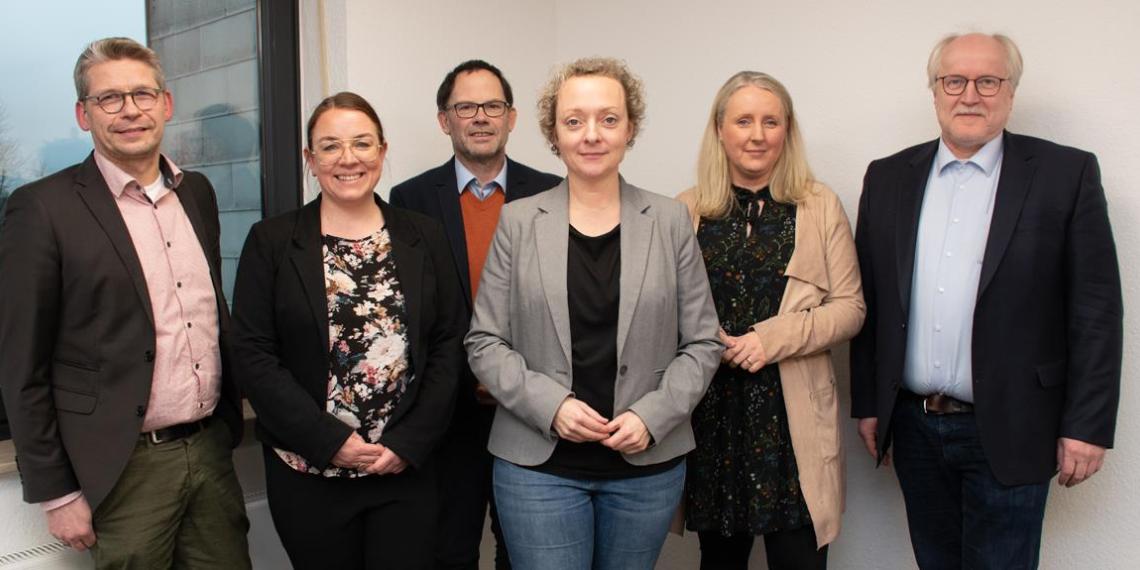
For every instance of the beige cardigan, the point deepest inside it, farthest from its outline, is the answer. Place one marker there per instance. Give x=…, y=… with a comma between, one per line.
x=822, y=307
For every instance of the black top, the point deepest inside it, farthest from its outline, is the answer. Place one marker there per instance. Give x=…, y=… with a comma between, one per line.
x=593, y=287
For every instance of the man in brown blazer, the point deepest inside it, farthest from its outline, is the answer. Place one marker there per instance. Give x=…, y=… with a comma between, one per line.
x=112, y=345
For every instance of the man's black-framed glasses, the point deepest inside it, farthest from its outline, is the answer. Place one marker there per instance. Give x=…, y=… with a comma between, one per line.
x=493, y=108
x=145, y=99
x=987, y=85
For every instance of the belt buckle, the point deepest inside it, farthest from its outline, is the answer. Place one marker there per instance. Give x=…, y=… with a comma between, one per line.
x=153, y=437
x=924, y=410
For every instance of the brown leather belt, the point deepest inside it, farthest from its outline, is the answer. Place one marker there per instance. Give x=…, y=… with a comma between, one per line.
x=174, y=432
x=939, y=404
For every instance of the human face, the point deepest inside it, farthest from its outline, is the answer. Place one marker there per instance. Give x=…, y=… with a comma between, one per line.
x=592, y=127
x=479, y=139
x=752, y=134
x=347, y=180
x=969, y=120
x=131, y=136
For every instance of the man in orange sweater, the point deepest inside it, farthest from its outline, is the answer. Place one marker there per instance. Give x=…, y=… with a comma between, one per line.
x=476, y=109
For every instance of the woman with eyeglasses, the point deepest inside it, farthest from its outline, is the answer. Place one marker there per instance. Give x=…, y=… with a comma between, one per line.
x=347, y=343
x=785, y=279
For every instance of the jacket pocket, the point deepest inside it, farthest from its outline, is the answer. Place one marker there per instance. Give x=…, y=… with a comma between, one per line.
x=826, y=410
x=75, y=386
x=75, y=402
x=1052, y=374
x=88, y=366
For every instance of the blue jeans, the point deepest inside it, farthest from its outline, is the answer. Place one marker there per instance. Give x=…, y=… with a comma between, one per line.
x=959, y=514
x=557, y=523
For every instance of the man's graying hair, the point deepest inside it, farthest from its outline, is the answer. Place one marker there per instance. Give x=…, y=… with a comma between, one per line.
x=114, y=49
x=1013, y=63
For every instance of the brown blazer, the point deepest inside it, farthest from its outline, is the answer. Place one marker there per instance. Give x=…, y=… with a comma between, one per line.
x=822, y=307
x=77, y=334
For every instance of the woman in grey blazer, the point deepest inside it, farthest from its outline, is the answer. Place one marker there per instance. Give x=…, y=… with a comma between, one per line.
x=595, y=330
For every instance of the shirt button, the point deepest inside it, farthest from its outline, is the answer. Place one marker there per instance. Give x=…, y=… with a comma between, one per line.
x=178, y=284
x=167, y=244
x=197, y=366
x=948, y=254
x=140, y=411
x=956, y=220
x=149, y=356
x=189, y=325
x=941, y=289
x=937, y=328
x=937, y=364
x=622, y=370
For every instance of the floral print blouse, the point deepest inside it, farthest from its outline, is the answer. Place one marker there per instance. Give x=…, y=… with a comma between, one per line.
x=369, y=354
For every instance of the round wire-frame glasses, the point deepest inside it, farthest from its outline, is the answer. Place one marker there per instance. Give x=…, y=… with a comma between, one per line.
x=145, y=98
x=986, y=85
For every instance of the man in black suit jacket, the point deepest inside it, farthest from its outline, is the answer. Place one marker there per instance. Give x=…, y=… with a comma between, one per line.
x=990, y=250
x=112, y=337
x=476, y=109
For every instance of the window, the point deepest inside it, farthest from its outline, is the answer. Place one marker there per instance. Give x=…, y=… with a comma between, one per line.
x=209, y=53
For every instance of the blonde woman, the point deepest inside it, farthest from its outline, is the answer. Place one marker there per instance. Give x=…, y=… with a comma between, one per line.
x=785, y=280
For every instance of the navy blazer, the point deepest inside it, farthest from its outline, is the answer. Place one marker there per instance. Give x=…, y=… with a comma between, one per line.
x=1048, y=323
x=281, y=335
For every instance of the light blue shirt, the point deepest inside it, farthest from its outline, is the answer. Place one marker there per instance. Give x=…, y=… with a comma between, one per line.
x=467, y=181
x=952, y=231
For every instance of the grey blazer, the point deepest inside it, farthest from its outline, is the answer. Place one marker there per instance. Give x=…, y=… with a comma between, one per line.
x=519, y=342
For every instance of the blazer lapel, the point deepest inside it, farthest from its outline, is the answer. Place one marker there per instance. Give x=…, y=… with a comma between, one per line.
x=92, y=189
x=1013, y=187
x=552, y=241
x=448, y=195
x=308, y=261
x=910, y=192
x=636, y=238
x=808, y=262
x=410, y=271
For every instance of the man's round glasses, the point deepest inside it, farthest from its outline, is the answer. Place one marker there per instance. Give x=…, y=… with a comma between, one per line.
x=987, y=85
x=144, y=98
x=467, y=109
x=330, y=151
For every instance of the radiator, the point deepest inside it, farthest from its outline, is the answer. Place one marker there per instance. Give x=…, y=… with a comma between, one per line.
x=265, y=548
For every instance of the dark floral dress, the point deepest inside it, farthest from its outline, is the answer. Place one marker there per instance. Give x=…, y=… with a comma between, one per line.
x=742, y=476
x=369, y=356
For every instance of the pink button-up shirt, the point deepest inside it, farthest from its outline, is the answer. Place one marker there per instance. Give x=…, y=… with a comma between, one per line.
x=187, y=364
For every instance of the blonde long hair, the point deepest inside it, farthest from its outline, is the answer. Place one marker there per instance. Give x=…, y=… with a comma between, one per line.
x=791, y=180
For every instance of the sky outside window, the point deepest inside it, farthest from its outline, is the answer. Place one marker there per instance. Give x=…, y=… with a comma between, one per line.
x=39, y=43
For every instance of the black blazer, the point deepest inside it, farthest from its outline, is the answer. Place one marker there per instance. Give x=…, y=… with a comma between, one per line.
x=434, y=193
x=281, y=329
x=77, y=333
x=1048, y=321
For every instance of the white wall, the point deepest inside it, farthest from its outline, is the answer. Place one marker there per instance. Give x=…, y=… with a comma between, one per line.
x=857, y=73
